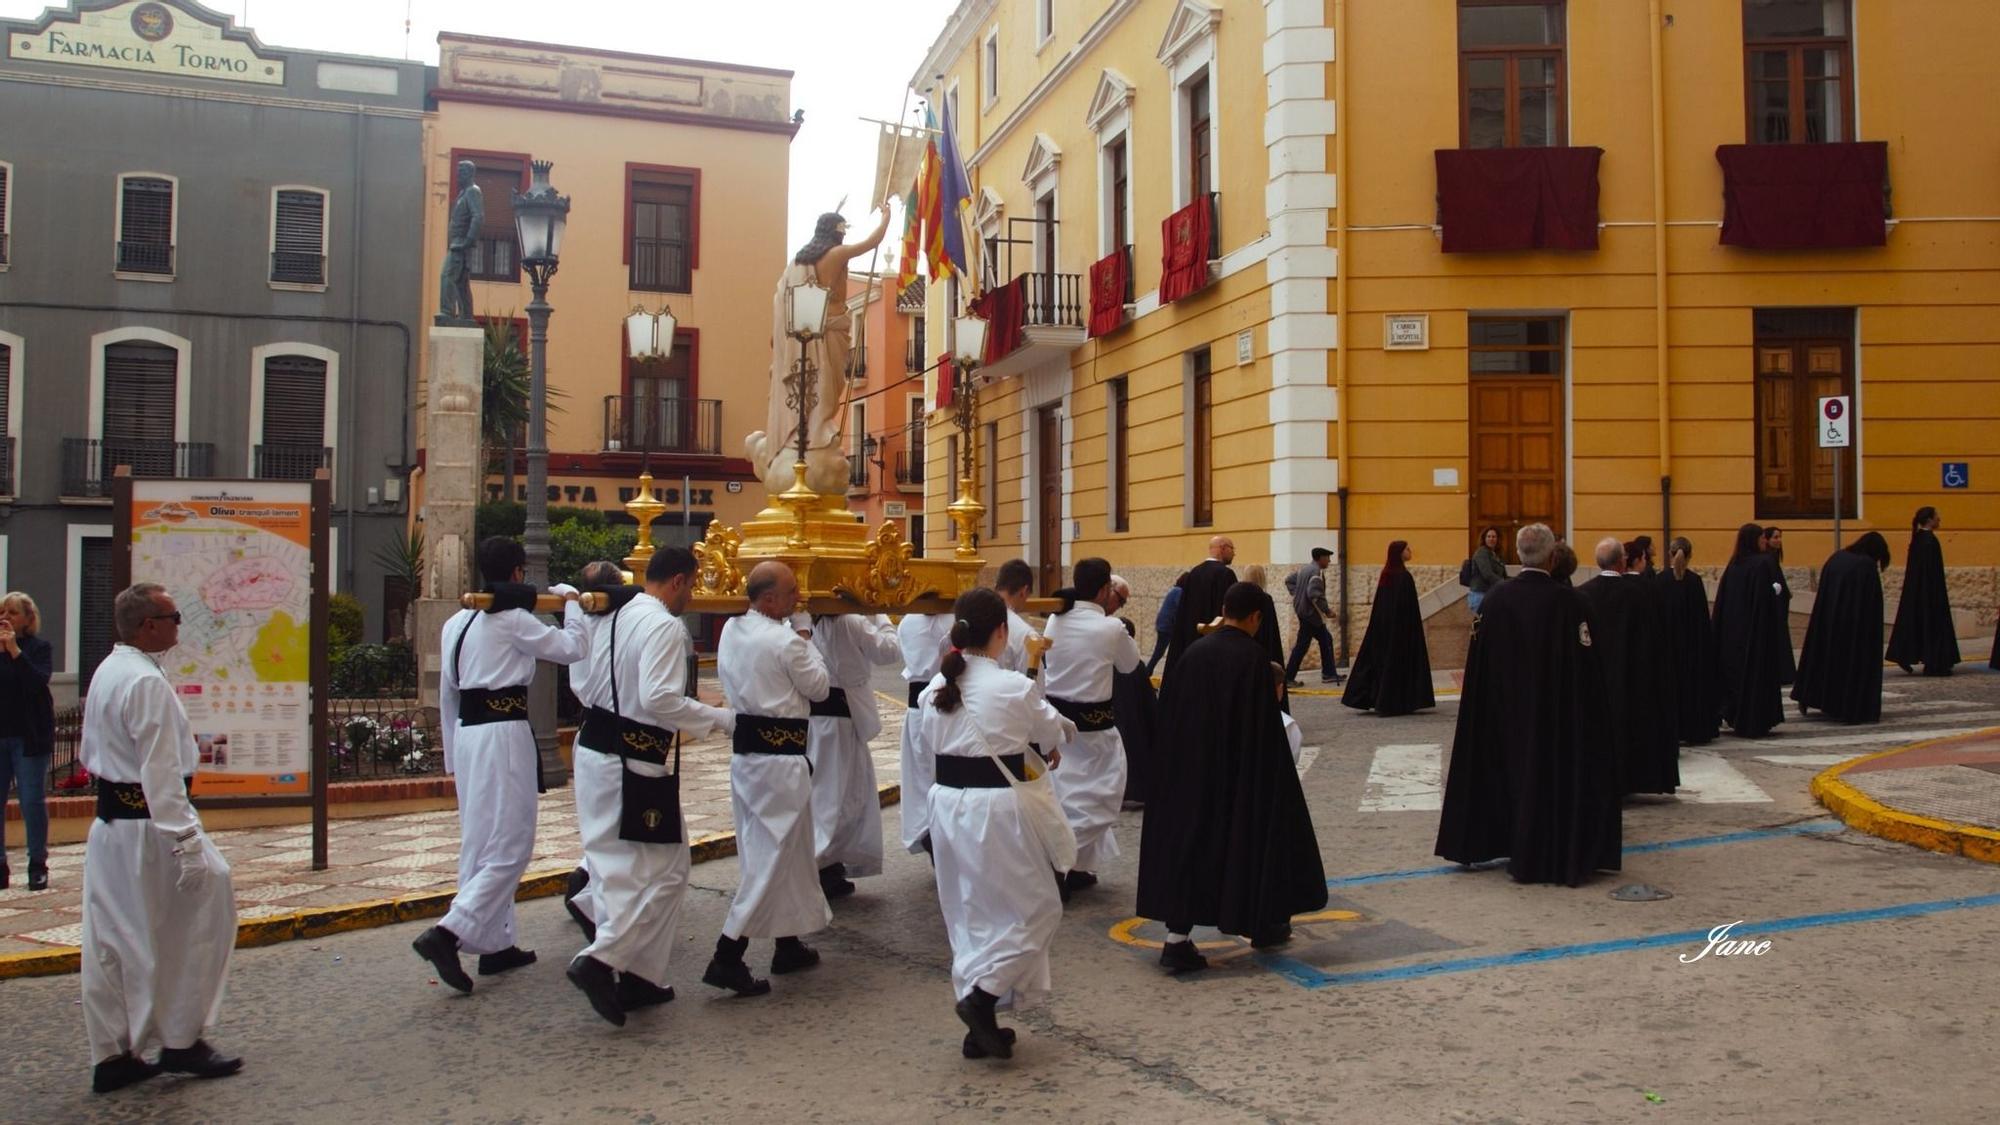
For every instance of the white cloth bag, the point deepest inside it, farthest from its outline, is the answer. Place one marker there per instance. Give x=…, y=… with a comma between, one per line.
x=1040, y=808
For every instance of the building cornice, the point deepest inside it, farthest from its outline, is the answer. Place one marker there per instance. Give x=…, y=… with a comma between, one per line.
x=954, y=39
x=1096, y=34
x=786, y=129
x=599, y=52
x=154, y=90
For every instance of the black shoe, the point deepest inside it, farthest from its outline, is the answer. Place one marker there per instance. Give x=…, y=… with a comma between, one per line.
x=1295, y=683
x=1908, y=669
x=572, y=887
x=38, y=878
x=1080, y=881
x=973, y=1050
x=833, y=881
x=734, y=976
x=976, y=1012
x=793, y=955
x=1334, y=681
x=5, y=876
x=1276, y=935
x=596, y=981
x=512, y=957
x=1182, y=957
x=200, y=1060
x=636, y=992
x=120, y=1071
x=439, y=946
x=1062, y=888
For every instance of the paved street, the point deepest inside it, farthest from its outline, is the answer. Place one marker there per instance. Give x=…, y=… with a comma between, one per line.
x=1424, y=993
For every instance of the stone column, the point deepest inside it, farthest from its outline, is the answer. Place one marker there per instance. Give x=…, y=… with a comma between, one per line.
x=452, y=479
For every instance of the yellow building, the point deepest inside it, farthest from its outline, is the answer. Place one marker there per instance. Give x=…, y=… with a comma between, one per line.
x=1514, y=311
x=662, y=159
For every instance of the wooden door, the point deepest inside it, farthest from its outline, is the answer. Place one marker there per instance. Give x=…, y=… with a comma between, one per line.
x=1517, y=455
x=1795, y=475
x=1048, y=485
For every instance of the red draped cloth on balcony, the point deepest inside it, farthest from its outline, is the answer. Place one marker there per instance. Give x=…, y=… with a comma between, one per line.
x=1804, y=197
x=1184, y=238
x=1518, y=198
x=1005, y=310
x=1108, y=280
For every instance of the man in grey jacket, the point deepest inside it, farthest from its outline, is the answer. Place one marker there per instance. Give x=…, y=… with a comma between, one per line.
x=1308, y=587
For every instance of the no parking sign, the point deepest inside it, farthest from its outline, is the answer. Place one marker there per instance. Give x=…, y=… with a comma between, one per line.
x=1836, y=423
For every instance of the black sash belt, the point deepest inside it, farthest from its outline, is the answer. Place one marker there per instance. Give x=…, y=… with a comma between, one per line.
x=126, y=800
x=916, y=689
x=1087, y=716
x=479, y=706
x=762, y=734
x=960, y=772
x=608, y=732
x=834, y=706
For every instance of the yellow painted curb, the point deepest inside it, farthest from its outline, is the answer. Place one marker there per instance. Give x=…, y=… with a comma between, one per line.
x=1865, y=814
x=319, y=921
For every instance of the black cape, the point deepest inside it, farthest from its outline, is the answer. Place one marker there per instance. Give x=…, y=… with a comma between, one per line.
x=1201, y=601
x=1136, y=711
x=1228, y=841
x=1530, y=779
x=1840, y=668
x=1691, y=645
x=1787, y=668
x=1750, y=632
x=1627, y=624
x=1924, y=633
x=1392, y=672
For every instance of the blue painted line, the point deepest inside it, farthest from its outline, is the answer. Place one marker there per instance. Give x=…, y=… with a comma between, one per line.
x=1812, y=826
x=1300, y=973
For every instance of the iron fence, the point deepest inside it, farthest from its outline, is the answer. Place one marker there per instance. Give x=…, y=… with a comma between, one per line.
x=87, y=463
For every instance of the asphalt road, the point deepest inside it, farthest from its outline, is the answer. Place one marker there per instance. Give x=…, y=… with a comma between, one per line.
x=1425, y=995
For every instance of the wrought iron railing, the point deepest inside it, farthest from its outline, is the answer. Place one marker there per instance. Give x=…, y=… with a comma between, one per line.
x=88, y=463
x=857, y=472
x=857, y=362
x=291, y=267
x=6, y=466
x=291, y=462
x=913, y=356
x=662, y=424
x=910, y=465
x=3, y=248
x=145, y=257
x=660, y=265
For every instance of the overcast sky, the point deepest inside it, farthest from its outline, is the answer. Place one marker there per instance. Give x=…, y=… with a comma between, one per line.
x=851, y=58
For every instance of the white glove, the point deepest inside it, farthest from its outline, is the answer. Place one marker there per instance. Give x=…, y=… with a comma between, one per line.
x=189, y=853
x=726, y=721
x=563, y=589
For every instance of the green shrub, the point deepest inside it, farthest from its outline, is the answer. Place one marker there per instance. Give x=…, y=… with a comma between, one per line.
x=573, y=544
x=346, y=619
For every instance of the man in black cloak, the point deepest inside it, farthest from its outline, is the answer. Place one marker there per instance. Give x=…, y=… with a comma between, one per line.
x=1752, y=638
x=1628, y=625
x=1924, y=633
x=1201, y=597
x=1228, y=840
x=1529, y=779
x=1691, y=641
x=1840, y=668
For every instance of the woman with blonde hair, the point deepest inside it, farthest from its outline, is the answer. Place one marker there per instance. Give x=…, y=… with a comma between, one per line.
x=27, y=730
x=1267, y=630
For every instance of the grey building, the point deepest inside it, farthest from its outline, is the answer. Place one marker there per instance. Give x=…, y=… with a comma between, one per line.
x=210, y=265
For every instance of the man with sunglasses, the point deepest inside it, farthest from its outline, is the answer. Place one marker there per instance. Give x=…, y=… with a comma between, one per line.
x=159, y=919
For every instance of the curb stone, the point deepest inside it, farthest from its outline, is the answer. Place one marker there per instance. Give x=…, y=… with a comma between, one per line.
x=1866, y=814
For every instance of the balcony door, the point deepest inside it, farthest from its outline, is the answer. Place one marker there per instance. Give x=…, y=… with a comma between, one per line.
x=1518, y=459
x=1048, y=486
x=139, y=389
x=294, y=417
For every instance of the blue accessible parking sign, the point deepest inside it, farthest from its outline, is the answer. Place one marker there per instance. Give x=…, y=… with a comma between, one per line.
x=1957, y=474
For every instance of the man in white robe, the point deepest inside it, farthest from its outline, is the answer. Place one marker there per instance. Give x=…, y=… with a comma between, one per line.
x=603, y=576
x=772, y=675
x=923, y=637
x=847, y=808
x=1086, y=646
x=159, y=920
x=1013, y=583
x=488, y=658
x=634, y=837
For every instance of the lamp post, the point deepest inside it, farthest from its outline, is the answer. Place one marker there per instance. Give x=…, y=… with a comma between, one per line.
x=805, y=320
x=539, y=218
x=870, y=447
x=968, y=352
x=649, y=338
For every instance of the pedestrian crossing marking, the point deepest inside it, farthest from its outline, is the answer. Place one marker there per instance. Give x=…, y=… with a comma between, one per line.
x=1814, y=760
x=1893, y=735
x=1307, y=756
x=1405, y=778
x=1706, y=779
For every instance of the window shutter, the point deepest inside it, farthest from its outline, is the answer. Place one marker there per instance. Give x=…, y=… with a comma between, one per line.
x=3, y=212
x=93, y=627
x=498, y=181
x=6, y=380
x=139, y=393
x=298, y=238
x=148, y=211
x=295, y=401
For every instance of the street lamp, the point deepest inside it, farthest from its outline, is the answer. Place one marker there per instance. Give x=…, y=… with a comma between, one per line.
x=650, y=336
x=540, y=217
x=968, y=351
x=805, y=321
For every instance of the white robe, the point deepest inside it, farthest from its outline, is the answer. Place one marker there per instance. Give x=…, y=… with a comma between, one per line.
x=995, y=887
x=579, y=684
x=154, y=958
x=1084, y=647
x=494, y=764
x=767, y=669
x=1015, y=657
x=923, y=639
x=847, y=807
x=639, y=887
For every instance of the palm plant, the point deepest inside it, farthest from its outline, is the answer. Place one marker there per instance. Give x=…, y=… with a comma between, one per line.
x=503, y=406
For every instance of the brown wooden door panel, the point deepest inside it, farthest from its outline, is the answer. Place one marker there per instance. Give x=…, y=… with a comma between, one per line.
x=1517, y=454
x=1048, y=449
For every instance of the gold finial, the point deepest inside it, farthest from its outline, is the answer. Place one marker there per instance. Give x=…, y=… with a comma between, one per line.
x=716, y=573
x=645, y=509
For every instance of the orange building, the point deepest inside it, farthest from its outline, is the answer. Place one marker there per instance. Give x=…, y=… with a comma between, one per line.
x=662, y=159
x=885, y=424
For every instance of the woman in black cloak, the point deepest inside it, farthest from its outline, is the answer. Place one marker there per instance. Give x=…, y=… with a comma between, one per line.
x=1392, y=672
x=1840, y=668
x=1751, y=637
x=1691, y=647
x=1924, y=633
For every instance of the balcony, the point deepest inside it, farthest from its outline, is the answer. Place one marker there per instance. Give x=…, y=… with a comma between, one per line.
x=660, y=265
x=146, y=257
x=913, y=356
x=1501, y=199
x=910, y=468
x=6, y=466
x=857, y=363
x=291, y=267
x=857, y=473
x=1190, y=247
x=88, y=464
x=1031, y=320
x=1805, y=196
x=290, y=462
x=3, y=248
x=663, y=424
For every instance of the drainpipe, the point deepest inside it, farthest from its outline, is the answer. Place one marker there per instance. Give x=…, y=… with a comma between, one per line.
x=351, y=412
x=1340, y=171
x=1660, y=363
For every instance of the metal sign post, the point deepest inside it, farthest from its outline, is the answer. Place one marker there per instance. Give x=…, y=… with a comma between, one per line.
x=1836, y=432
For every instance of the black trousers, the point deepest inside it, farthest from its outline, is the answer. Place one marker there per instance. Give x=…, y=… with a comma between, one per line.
x=1309, y=631
x=1160, y=642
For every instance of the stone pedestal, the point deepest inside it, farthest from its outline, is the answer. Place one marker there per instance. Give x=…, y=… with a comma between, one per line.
x=452, y=477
